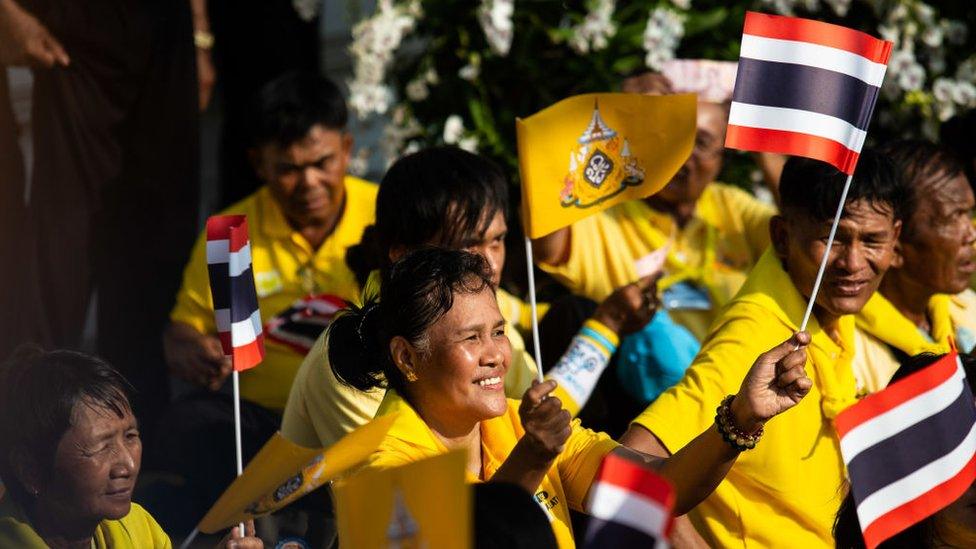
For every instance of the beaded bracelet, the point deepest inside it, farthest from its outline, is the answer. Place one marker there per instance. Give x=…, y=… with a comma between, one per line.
x=731, y=434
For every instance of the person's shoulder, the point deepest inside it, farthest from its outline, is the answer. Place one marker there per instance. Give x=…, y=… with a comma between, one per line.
x=361, y=188
x=729, y=197
x=143, y=529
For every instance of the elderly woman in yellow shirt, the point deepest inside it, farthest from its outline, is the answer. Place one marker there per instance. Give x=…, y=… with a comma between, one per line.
x=69, y=458
x=436, y=339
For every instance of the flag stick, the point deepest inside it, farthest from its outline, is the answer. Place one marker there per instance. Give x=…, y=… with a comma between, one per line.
x=189, y=539
x=535, y=314
x=826, y=255
x=237, y=429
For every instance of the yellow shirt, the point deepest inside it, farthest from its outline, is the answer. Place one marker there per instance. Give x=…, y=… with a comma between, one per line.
x=716, y=249
x=286, y=269
x=786, y=491
x=564, y=487
x=883, y=327
x=962, y=309
x=321, y=409
x=137, y=530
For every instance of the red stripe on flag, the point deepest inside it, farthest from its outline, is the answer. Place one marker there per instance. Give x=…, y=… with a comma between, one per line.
x=818, y=32
x=631, y=476
x=238, y=235
x=225, y=342
x=250, y=355
x=219, y=226
x=924, y=506
x=896, y=394
x=792, y=143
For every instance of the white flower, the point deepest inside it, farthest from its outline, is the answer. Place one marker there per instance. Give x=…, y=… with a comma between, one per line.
x=306, y=9
x=964, y=94
x=417, y=90
x=955, y=31
x=966, y=71
x=945, y=111
x=924, y=12
x=900, y=60
x=453, y=129
x=910, y=29
x=469, y=72
x=495, y=17
x=369, y=98
x=840, y=7
x=898, y=13
x=942, y=89
x=912, y=78
x=664, y=30
x=596, y=29
x=932, y=37
x=359, y=163
x=937, y=62
x=682, y=4
x=469, y=143
x=889, y=33
x=431, y=77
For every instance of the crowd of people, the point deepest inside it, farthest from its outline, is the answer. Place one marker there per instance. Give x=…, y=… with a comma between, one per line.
x=390, y=298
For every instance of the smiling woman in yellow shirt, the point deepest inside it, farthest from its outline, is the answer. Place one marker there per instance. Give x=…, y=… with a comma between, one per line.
x=437, y=340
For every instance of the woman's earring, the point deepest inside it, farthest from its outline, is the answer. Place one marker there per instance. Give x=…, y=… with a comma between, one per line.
x=411, y=377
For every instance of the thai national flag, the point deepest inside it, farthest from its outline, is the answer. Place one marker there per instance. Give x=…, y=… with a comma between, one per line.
x=910, y=449
x=805, y=88
x=232, y=287
x=629, y=505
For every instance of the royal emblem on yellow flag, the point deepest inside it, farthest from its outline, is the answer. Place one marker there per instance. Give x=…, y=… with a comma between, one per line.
x=619, y=147
x=422, y=505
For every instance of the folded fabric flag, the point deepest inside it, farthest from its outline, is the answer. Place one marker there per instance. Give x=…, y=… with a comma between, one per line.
x=910, y=449
x=805, y=88
x=630, y=506
x=589, y=152
x=300, y=325
x=232, y=288
x=282, y=472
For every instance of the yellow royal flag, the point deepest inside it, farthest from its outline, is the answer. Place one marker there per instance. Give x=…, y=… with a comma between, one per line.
x=426, y=504
x=282, y=472
x=589, y=152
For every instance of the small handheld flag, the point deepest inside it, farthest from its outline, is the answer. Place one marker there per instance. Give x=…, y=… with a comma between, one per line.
x=232, y=288
x=805, y=88
x=910, y=449
x=630, y=506
x=300, y=325
x=589, y=152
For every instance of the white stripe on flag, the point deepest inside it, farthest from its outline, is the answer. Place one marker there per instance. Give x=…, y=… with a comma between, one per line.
x=813, y=55
x=218, y=251
x=793, y=120
x=903, y=416
x=247, y=330
x=239, y=261
x=919, y=482
x=613, y=503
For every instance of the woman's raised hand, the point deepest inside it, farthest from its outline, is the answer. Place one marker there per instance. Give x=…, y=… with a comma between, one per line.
x=776, y=382
x=545, y=421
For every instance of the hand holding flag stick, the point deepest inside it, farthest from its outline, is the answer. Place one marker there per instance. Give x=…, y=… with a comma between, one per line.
x=806, y=88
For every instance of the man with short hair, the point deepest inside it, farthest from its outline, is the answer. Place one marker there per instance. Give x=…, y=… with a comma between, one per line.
x=786, y=491
x=924, y=300
x=301, y=223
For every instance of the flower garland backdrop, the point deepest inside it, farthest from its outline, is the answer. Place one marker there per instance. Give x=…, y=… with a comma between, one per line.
x=460, y=72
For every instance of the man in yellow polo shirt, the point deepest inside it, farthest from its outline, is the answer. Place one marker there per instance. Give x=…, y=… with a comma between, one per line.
x=786, y=491
x=714, y=233
x=301, y=223
x=924, y=299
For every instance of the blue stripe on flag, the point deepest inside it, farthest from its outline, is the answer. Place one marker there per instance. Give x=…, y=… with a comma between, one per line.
x=911, y=449
x=801, y=87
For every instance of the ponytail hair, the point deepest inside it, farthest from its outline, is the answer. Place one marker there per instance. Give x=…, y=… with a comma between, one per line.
x=415, y=293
